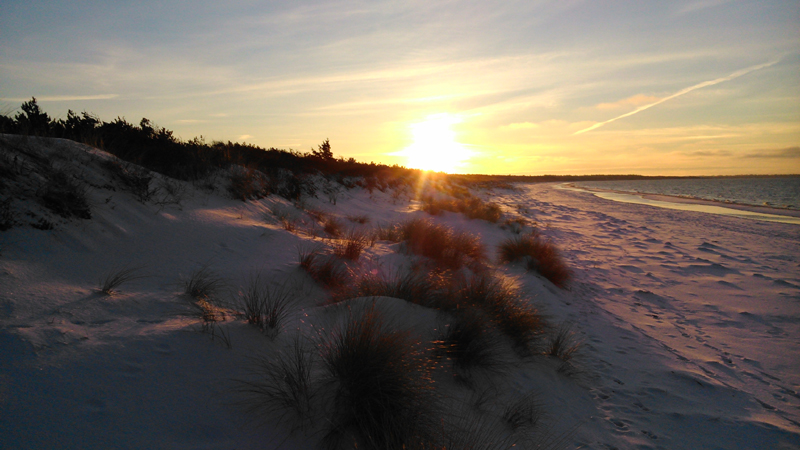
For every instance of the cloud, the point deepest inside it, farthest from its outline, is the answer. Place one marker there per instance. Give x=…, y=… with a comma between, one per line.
x=244, y=137
x=697, y=6
x=788, y=152
x=63, y=98
x=636, y=100
x=520, y=126
x=736, y=74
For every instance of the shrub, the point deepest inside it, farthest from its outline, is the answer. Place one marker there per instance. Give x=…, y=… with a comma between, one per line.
x=447, y=247
x=116, y=278
x=6, y=215
x=65, y=197
x=382, y=390
x=246, y=183
x=135, y=180
x=266, y=307
x=541, y=256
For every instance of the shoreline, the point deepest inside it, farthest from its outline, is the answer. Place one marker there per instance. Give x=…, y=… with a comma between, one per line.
x=752, y=212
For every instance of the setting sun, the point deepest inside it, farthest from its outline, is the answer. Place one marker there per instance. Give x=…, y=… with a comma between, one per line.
x=434, y=146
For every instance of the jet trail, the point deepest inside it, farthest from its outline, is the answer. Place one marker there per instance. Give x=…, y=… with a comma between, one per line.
x=736, y=74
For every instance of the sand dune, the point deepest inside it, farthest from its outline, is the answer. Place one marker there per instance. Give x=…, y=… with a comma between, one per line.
x=690, y=321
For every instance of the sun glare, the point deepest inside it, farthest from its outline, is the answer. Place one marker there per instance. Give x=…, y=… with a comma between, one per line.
x=434, y=145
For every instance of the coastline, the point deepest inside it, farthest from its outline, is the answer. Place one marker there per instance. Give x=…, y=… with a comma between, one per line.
x=765, y=213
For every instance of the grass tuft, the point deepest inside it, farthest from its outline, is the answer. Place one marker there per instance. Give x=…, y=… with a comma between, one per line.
x=448, y=248
x=382, y=391
x=281, y=387
x=413, y=287
x=523, y=413
x=116, y=278
x=333, y=227
x=326, y=270
x=266, y=307
x=204, y=284
x=540, y=255
x=352, y=244
x=513, y=315
x=563, y=343
x=469, y=344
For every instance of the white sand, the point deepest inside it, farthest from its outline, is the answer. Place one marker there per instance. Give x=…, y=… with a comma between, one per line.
x=690, y=320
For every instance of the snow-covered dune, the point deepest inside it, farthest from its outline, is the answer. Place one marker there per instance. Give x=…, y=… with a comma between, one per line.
x=689, y=322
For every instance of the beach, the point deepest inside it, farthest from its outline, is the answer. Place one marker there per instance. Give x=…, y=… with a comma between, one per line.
x=689, y=321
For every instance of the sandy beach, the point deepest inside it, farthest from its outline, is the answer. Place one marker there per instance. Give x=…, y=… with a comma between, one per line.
x=689, y=321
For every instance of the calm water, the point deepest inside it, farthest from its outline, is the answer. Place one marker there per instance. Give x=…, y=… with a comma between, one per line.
x=777, y=192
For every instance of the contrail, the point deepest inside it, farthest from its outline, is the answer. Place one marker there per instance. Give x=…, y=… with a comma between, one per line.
x=736, y=74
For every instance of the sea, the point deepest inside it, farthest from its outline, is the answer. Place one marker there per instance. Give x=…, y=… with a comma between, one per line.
x=775, y=192
x=782, y=194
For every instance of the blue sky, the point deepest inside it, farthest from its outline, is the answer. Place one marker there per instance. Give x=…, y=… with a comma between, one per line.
x=515, y=80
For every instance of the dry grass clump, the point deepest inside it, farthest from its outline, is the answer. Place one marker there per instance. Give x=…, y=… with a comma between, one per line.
x=381, y=387
x=502, y=304
x=281, y=387
x=469, y=205
x=351, y=245
x=203, y=287
x=515, y=225
x=117, y=277
x=470, y=344
x=65, y=196
x=325, y=269
x=413, y=287
x=524, y=412
x=540, y=256
x=447, y=247
x=333, y=227
x=247, y=183
x=361, y=219
x=563, y=343
x=265, y=306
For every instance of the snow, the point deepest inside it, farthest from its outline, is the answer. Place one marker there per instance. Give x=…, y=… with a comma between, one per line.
x=690, y=321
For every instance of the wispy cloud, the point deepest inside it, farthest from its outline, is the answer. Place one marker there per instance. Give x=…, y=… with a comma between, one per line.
x=788, y=152
x=63, y=98
x=732, y=76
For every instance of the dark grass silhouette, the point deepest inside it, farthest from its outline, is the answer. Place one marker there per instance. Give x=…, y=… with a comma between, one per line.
x=280, y=387
x=411, y=286
x=382, y=391
x=326, y=269
x=265, y=306
x=513, y=315
x=117, y=277
x=471, y=345
x=540, y=256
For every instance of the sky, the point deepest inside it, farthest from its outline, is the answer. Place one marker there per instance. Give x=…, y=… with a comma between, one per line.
x=699, y=87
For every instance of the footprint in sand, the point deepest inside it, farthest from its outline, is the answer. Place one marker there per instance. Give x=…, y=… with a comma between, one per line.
x=649, y=434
